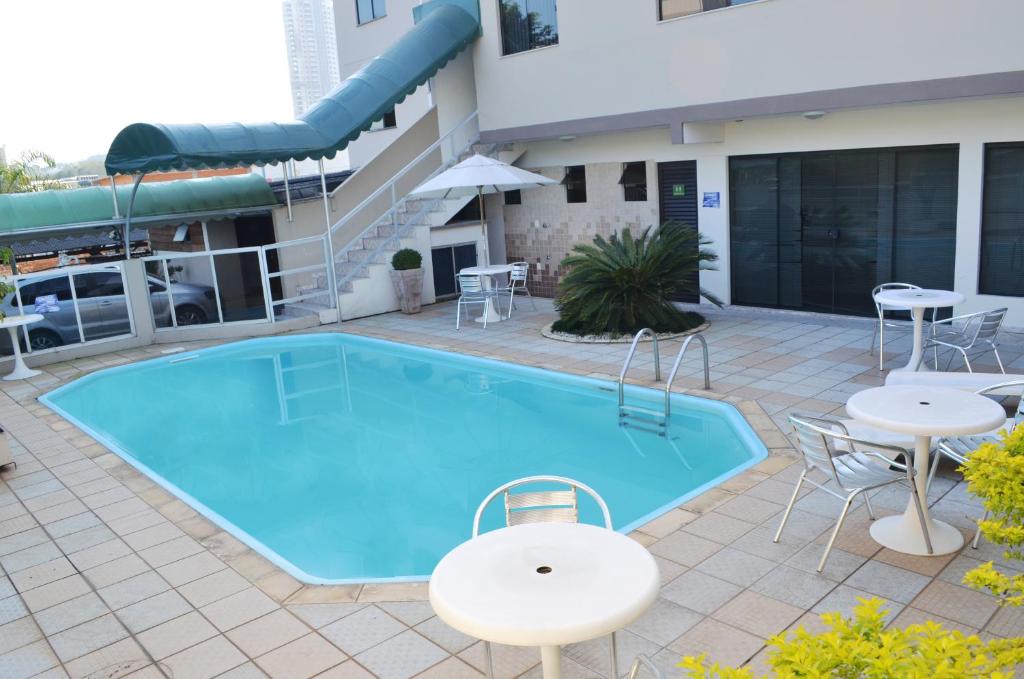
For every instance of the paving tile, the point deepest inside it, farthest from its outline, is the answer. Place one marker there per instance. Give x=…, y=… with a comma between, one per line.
x=1008, y=622
x=27, y=661
x=750, y=508
x=152, y=611
x=594, y=654
x=509, y=661
x=668, y=523
x=664, y=622
x=191, y=568
x=843, y=599
x=758, y=614
x=760, y=542
x=840, y=564
x=304, y=657
x=22, y=540
x=888, y=581
x=793, y=586
x=232, y=611
x=359, y=631
x=445, y=636
x=87, y=637
x=246, y=671
x=732, y=565
x=172, y=550
x=83, y=539
x=957, y=603
x=699, y=591
x=33, y=556
x=122, y=658
x=718, y=527
x=213, y=587
x=70, y=613
x=176, y=635
x=452, y=668
x=721, y=643
x=408, y=612
x=55, y=592
x=402, y=656
x=685, y=548
x=99, y=554
x=116, y=571
x=18, y=633
x=153, y=535
x=204, y=660
x=42, y=574
x=321, y=615
x=264, y=634
x=132, y=590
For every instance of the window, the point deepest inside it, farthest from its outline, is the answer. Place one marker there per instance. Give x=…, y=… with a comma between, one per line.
x=634, y=181
x=671, y=9
x=514, y=197
x=368, y=10
x=386, y=123
x=1002, y=221
x=527, y=25
x=575, y=182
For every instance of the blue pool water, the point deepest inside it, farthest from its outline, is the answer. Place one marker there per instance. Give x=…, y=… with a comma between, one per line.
x=344, y=458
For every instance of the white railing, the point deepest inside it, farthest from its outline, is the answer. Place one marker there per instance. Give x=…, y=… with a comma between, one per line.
x=299, y=283
x=79, y=304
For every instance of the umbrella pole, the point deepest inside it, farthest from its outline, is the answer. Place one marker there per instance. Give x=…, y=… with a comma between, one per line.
x=483, y=225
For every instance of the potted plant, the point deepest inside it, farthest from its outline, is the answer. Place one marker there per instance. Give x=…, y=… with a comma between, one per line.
x=407, y=277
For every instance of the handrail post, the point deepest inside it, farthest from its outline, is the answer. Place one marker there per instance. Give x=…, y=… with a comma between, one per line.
x=675, y=368
x=629, y=359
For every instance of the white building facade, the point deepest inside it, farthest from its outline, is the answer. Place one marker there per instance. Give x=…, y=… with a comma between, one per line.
x=312, y=50
x=822, y=147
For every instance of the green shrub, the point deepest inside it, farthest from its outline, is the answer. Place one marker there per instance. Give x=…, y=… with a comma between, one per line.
x=620, y=285
x=995, y=473
x=406, y=258
x=862, y=648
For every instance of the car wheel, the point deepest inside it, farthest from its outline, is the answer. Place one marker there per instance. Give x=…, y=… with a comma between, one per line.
x=189, y=315
x=39, y=340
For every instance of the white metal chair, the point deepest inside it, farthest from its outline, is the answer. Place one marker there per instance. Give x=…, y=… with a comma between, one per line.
x=542, y=506
x=959, y=448
x=643, y=662
x=472, y=291
x=882, y=323
x=517, y=283
x=970, y=335
x=821, y=442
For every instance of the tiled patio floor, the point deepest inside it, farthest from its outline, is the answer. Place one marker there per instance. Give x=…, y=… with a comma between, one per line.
x=106, y=575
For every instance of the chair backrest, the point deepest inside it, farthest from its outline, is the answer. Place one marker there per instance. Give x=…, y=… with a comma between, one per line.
x=816, y=441
x=471, y=283
x=988, y=324
x=541, y=506
x=519, y=271
x=642, y=661
x=1018, y=416
x=891, y=286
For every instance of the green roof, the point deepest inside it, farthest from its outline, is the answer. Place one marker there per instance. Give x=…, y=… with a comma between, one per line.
x=40, y=209
x=323, y=130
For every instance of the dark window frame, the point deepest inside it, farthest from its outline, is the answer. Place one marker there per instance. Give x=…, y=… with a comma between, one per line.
x=388, y=122
x=706, y=6
x=514, y=197
x=378, y=10
x=987, y=213
x=533, y=41
x=575, y=186
x=633, y=191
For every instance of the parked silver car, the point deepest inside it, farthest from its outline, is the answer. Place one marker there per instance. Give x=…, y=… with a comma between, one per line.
x=102, y=306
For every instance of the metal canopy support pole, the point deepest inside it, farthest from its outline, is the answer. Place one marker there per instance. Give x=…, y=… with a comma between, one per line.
x=483, y=226
x=332, y=282
x=128, y=218
x=113, y=194
x=287, y=191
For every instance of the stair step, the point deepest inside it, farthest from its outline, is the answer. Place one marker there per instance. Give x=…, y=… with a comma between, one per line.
x=364, y=255
x=375, y=241
x=355, y=269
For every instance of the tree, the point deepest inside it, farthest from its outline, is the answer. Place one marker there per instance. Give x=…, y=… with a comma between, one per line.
x=24, y=174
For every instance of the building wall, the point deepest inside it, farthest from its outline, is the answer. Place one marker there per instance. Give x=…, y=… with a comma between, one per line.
x=544, y=228
x=312, y=51
x=614, y=57
x=969, y=124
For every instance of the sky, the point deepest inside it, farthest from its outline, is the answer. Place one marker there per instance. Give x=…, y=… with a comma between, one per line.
x=76, y=72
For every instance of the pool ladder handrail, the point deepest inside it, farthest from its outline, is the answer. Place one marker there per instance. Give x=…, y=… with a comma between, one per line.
x=624, y=410
x=675, y=369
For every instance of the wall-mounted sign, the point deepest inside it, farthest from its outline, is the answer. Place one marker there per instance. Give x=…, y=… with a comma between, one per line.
x=679, y=189
x=712, y=199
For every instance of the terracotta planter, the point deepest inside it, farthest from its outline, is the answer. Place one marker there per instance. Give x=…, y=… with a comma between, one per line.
x=409, y=288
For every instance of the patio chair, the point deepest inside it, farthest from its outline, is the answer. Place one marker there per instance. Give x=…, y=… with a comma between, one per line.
x=821, y=442
x=472, y=291
x=643, y=662
x=959, y=448
x=517, y=283
x=541, y=506
x=882, y=323
x=970, y=335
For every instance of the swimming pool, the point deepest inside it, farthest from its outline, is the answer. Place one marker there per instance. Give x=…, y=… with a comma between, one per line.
x=348, y=459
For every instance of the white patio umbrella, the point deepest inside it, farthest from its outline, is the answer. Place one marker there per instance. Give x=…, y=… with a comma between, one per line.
x=476, y=176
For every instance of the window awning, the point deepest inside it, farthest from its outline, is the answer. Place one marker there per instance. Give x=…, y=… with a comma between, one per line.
x=93, y=206
x=633, y=174
x=320, y=132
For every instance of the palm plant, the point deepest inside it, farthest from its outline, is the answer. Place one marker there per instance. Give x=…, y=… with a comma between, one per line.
x=617, y=286
x=23, y=175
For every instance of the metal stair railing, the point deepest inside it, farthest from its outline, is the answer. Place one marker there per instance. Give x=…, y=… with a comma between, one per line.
x=675, y=369
x=637, y=412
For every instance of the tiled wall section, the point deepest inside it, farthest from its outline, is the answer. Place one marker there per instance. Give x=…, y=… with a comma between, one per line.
x=563, y=225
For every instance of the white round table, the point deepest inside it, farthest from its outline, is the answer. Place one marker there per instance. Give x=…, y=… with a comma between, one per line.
x=544, y=584
x=486, y=272
x=12, y=323
x=923, y=412
x=917, y=301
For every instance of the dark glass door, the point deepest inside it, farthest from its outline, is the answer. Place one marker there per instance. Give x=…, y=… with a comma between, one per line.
x=448, y=261
x=677, y=200
x=817, y=231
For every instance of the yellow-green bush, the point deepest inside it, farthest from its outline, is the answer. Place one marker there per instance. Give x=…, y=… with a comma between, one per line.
x=862, y=648
x=995, y=473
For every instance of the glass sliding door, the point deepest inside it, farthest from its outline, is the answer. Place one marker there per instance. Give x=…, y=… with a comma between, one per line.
x=1002, y=221
x=816, y=231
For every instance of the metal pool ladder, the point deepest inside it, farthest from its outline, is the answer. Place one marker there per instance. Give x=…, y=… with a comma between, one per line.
x=647, y=418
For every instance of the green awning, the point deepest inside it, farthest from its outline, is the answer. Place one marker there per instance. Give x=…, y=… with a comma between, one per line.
x=320, y=132
x=21, y=212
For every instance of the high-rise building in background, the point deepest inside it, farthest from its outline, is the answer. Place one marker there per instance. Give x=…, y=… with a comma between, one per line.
x=312, y=50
